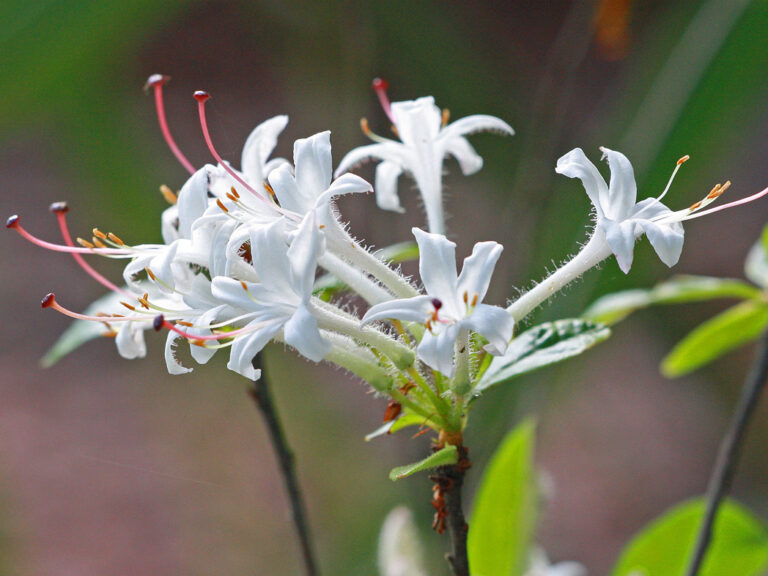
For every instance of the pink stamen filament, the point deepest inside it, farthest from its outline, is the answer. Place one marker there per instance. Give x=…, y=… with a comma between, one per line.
x=729, y=205
x=59, y=248
x=201, y=98
x=50, y=302
x=157, y=81
x=163, y=323
x=62, y=218
x=380, y=87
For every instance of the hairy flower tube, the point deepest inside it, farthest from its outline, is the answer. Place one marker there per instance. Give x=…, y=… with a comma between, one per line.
x=426, y=138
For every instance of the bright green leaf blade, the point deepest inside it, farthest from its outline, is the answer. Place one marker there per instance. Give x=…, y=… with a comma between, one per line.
x=733, y=328
x=400, y=252
x=540, y=346
x=504, y=511
x=663, y=548
x=81, y=331
x=443, y=457
x=756, y=264
x=613, y=308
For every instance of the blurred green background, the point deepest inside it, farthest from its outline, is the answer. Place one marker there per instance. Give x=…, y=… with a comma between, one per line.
x=113, y=467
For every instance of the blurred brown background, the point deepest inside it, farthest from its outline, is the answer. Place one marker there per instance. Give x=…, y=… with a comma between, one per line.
x=110, y=466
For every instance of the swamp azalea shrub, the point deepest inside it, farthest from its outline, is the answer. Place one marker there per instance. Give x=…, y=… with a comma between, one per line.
x=261, y=254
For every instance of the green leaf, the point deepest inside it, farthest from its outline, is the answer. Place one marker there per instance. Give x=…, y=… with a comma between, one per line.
x=540, y=346
x=613, y=308
x=504, y=511
x=443, y=457
x=756, y=264
x=663, y=548
x=81, y=331
x=733, y=328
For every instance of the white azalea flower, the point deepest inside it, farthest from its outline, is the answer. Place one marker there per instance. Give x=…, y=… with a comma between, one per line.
x=425, y=140
x=453, y=303
x=540, y=566
x=280, y=300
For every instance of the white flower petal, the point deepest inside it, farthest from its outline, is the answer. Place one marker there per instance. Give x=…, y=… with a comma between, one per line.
x=387, y=174
x=302, y=257
x=476, y=123
x=436, y=350
x=345, y=184
x=495, y=324
x=437, y=265
x=193, y=200
x=666, y=239
x=621, y=239
x=130, y=340
x=302, y=333
x=384, y=151
x=312, y=161
x=259, y=145
x=286, y=190
x=575, y=164
x=416, y=309
x=460, y=148
x=477, y=270
x=171, y=362
x=245, y=347
x=417, y=121
x=622, y=191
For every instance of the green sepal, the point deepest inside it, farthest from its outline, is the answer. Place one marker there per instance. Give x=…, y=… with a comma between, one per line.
x=664, y=547
x=443, y=457
x=540, y=346
x=613, y=308
x=735, y=327
x=505, y=509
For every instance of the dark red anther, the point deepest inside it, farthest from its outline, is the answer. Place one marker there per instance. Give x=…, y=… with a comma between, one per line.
x=380, y=84
x=48, y=301
x=12, y=222
x=59, y=208
x=437, y=303
x=158, y=322
x=201, y=96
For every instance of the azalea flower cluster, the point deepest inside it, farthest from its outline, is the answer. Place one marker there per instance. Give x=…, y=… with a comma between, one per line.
x=247, y=256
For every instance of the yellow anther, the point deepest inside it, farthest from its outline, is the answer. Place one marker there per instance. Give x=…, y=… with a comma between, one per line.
x=98, y=242
x=99, y=234
x=683, y=159
x=446, y=116
x=695, y=206
x=185, y=323
x=150, y=273
x=244, y=285
x=115, y=239
x=168, y=194
x=394, y=130
x=474, y=300
x=269, y=189
x=365, y=127
x=234, y=192
x=110, y=334
x=220, y=204
x=85, y=243
x=129, y=306
x=465, y=297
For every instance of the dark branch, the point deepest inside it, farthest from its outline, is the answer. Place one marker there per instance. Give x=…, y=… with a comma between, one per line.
x=450, y=513
x=263, y=400
x=730, y=448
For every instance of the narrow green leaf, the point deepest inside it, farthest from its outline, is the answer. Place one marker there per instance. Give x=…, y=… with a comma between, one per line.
x=540, y=346
x=81, y=331
x=443, y=457
x=504, y=511
x=663, y=548
x=756, y=264
x=613, y=308
x=733, y=328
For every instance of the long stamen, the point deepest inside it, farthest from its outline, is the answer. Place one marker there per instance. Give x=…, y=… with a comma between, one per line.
x=380, y=87
x=13, y=222
x=50, y=302
x=659, y=198
x=60, y=209
x=156, y=81
x=160, y=322
x=202, y=97
x=370, y=133
x=730, y=204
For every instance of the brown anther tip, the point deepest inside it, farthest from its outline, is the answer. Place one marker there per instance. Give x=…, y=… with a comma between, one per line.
x=48, y=301
x=683, y=159
x=380, y=84
x=150, y=273
x=201, y=96
x=234, y=192
x=364, y=125
x=13, y=221
x=130, y=307
x=244, y=285
x=99, y=234
x=200, y=343
x=158, y=322
x=98, y=243
x=268, y=188
x=446, y=116
x=156, y=80
x=59, y=208
x=220, y=204
x=85, y=243
x=115, y=239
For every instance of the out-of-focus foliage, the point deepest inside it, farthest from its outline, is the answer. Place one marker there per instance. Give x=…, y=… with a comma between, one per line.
x=504, y=512
x=663, y=548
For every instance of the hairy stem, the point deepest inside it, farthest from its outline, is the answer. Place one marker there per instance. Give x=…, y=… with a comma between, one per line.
x=263, y=400
x=730, y=449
